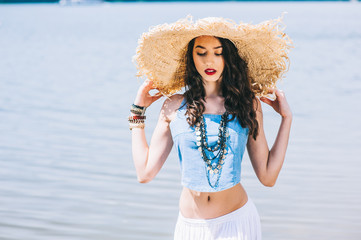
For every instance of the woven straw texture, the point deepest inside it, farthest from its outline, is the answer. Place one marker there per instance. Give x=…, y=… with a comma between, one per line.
x=160, y=55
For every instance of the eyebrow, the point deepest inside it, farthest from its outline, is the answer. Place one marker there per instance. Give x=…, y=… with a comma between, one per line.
x=198, y=46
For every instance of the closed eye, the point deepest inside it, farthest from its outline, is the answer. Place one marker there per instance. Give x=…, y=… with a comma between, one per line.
x=201, y=54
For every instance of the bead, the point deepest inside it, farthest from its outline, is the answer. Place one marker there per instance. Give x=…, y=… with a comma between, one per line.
x=201, y=137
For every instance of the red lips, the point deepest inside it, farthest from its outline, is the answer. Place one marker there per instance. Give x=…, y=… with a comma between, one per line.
x=210, y=71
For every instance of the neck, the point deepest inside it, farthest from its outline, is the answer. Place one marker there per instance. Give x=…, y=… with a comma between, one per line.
x=213, y=89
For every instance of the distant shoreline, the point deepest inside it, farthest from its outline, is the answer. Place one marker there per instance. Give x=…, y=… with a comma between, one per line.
x=90, y=2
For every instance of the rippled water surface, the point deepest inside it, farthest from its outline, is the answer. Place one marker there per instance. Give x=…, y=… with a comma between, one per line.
x=66, y=84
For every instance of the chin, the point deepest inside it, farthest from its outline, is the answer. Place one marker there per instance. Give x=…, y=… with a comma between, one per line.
x=211, y=78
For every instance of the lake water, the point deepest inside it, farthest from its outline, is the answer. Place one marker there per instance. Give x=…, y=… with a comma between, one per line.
x=66, y=84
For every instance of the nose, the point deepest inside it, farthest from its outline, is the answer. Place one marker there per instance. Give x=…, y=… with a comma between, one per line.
x=209, y=60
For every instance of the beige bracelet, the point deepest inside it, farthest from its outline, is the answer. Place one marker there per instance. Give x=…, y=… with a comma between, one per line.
x=136, y=125
x=136, y=121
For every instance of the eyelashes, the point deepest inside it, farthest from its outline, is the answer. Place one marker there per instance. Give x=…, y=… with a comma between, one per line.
x=203, y=54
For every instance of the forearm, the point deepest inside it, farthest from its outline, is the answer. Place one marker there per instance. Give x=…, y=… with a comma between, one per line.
x=278, y=151
x=140, y=150
x=147, y=163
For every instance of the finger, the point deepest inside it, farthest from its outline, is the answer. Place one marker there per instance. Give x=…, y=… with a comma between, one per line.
x=271, y=90
x=155, y=98
x=152, y=86
x=148, y=86
x=279, y=93
x=266, y=100
x=271, y=93
x=158, y=94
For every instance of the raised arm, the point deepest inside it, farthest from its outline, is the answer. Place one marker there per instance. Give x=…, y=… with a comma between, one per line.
x=148, y=160
x=268, y=163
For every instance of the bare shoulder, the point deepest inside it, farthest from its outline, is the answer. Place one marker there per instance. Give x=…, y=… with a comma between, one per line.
x=170, y=106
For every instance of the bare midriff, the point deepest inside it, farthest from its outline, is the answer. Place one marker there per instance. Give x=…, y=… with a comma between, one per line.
x=207, y=205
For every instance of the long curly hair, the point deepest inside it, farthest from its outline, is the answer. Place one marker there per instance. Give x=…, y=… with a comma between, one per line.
x=235, y=87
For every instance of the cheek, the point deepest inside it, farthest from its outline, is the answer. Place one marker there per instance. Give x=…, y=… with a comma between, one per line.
x=221, y=63
x=196, y=61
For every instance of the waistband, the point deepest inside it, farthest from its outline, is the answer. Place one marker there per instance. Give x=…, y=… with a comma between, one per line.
x=246, y=208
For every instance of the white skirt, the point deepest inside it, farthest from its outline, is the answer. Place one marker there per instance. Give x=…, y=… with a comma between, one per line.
x=241, y=224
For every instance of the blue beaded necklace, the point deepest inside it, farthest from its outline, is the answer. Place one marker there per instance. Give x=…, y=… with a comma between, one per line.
x=213, y=165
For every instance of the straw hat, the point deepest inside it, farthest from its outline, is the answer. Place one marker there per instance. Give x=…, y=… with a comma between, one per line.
x=160, y=55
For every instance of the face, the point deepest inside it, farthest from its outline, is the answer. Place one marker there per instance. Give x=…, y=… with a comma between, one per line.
x=208, y=58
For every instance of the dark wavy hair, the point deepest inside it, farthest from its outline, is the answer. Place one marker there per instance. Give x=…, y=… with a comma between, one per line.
x=236, y=88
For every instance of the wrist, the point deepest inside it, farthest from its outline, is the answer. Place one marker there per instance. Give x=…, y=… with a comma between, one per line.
x=139, y=103
x=140, y=98
x=287, y=118
x=287, y=113
x=136, y=118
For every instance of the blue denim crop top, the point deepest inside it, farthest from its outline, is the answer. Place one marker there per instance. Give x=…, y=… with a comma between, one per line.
x=193, y=168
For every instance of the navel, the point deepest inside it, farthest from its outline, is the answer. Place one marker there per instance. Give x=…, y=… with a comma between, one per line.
x=209, y=198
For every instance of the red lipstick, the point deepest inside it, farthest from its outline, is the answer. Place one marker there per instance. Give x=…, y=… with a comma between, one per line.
x=210, y=71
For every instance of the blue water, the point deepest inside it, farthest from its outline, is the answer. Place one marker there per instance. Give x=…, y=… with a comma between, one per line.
x=66, y=84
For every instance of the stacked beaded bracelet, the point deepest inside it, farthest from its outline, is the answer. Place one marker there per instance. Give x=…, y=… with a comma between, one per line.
x=136, y=120
x=137, y=110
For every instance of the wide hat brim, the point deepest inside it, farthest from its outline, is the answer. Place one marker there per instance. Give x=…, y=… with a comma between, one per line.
x=160, y=55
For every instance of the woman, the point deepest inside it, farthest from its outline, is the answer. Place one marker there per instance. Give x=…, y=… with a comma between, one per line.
x=210, y=125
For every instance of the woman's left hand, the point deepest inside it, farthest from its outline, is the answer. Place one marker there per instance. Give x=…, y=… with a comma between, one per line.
x=280, y=104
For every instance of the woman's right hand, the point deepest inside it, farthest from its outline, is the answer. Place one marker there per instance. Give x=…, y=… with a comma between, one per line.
x=143, y=98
